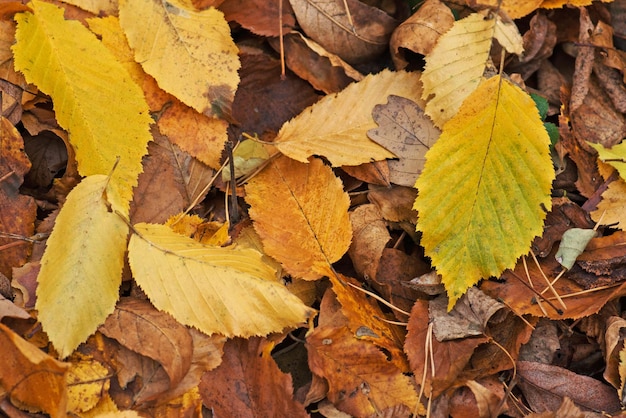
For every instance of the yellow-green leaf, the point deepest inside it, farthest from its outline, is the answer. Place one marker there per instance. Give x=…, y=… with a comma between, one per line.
x=483, y=186
x=190, y=53
x=94, y=97
x=455, y=66
x=81, y=270
x=336, y=126
x=229, y=291
x=300, y=211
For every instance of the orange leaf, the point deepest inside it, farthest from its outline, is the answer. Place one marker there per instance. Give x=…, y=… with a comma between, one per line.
x=31, y=377
x=300, y=211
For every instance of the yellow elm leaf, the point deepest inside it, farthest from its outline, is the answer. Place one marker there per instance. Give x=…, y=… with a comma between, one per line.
x=556, y=4
x=94, y=97
x=514, y=8
x=300, y=211
x=336, y=126
x=81, y=270
x=229, y=291
x=483, y=186
x=190, y=53
x=612, y=207
x=455, y=66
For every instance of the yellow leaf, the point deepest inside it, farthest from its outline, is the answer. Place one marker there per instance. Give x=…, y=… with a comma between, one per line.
x=615, y=156
x=87, y=380
x=104, y=7
x=190, y=53
x=68, y=63
x=555, y=4
x=515, y=8
x=31, y=377
x=336, y=126
x=229, y=291
x=612, y=207
x=300, y=211
x=81, y=270
x=455, y=66
x=483, y=186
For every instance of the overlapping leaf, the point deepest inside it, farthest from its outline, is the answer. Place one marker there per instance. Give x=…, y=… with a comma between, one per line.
x=483, y=186
x=81, y=270
x=190, y=53
x=300, y=211
x=67, y=62
x=455, y=66
x=336, y=126
x=229, y=291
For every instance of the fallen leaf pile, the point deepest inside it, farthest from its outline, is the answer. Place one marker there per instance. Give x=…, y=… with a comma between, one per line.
x=312, y=208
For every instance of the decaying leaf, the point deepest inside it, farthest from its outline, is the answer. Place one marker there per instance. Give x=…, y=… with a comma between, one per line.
x=336, y=126
x=482, y=189
x=572, y=245
x=69, y=308
x=227, y=291
x=300, y=211
x=405, y=130
x=203, y=74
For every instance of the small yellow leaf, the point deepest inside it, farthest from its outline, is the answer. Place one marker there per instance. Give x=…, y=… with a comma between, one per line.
x=81, y=270
x=455, y=66
x=615, y=156
x=190, y=53
x=87, y=380
x=71, y=65
x=483, y=186
x=336, y=126
x=247, y=157
x=300, y=211
x=612, y=207
x=229, y=291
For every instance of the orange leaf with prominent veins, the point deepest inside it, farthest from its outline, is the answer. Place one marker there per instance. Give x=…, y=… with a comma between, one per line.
x=300, y=211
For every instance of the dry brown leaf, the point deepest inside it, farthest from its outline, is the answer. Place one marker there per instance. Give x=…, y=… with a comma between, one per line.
x=376, y=172
x=351, y=29
x=370, y=237
x=300, y=211
x=405, y=130
x=310, y=61
x=259, y=16
x=249, y=383
x=155, y=335
x=420, y=32
x=395, y=203
x=367, y=322
x=18, y=211
x=544, y=387
x=360, y=370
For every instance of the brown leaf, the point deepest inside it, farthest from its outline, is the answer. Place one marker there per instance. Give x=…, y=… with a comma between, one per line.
x=155, y=335
x=544, y=387
x=405, y=130
x=300, y=211
x=420, y=32
x=449, y=357
x=376, y=172
x=171, y=180
x=248, y=383
x=367, y=322
x=260, y=16
x=395, y=203
x=361, y=380
x=18, y=211
x=370, y=237
x=351, y=29
x=30, y=377
x=310, y=61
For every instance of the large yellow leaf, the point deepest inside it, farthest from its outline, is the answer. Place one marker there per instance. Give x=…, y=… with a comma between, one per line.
x=81, y=270
x=455, y=66
x=94, y=97
x=190, y=53
x=229, y=291
x=300, y=211
x=483, y=186
x=336, y=126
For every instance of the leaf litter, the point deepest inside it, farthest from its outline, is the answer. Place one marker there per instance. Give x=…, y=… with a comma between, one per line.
x=324, y=299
